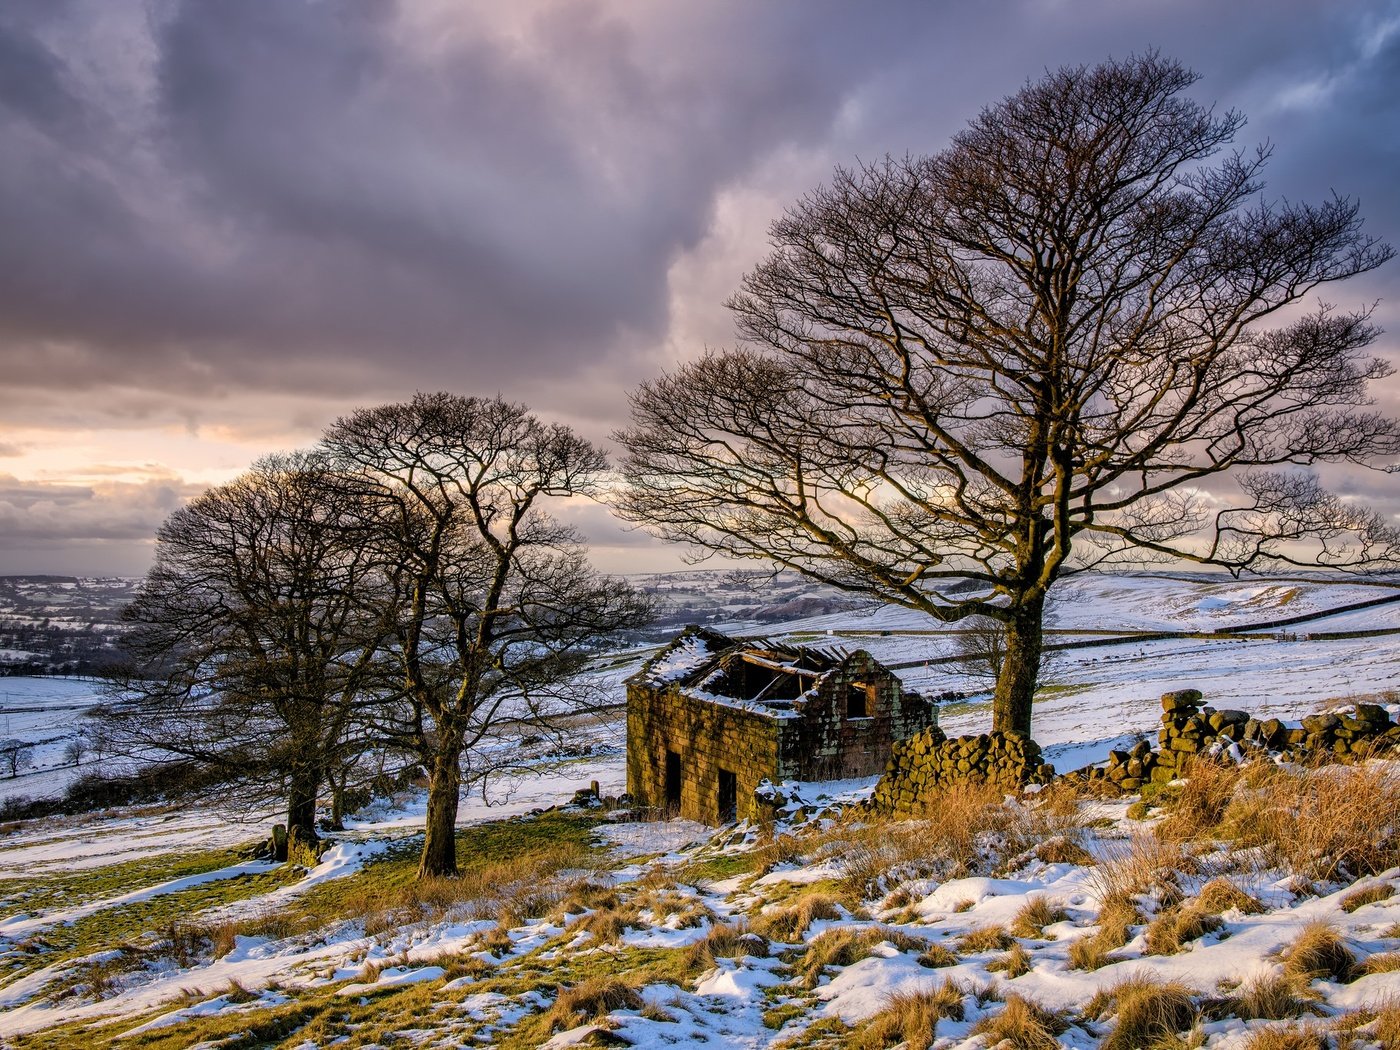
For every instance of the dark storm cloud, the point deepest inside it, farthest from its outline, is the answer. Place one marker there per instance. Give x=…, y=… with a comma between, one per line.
x=206, y=198
x=308, y=179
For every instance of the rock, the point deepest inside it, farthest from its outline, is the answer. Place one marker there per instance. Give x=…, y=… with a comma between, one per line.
x=1181, y=700
x=1372, y=714
x=1320, y=724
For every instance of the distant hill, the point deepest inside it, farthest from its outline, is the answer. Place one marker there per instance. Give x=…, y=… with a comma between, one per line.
x=61, y=624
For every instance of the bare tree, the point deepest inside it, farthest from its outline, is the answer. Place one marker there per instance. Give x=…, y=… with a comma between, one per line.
x=971, y=373
x=491, y=602
x=252, y=637
x=15, y=754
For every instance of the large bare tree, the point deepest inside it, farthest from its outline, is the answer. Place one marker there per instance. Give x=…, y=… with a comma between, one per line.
x=493, y=607
x=251, y=638
x=1026, y=355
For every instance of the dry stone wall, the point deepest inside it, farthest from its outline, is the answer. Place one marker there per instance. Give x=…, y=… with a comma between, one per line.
x=1190, y=728
x=927, y=761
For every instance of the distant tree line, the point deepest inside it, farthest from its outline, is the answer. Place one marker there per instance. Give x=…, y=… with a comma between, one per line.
x=397, y=597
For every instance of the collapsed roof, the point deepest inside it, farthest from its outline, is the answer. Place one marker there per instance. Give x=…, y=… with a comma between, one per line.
x=760, y=672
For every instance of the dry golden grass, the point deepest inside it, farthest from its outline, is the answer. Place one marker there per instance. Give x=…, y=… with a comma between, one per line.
x=1013, y=963
x=846, y=945
x=1220, y=895
x=589, y=1000
x=276, y=925
x=606, y=925
x=1318, y=951
x=584, y=895
x=790, y=923
x=935, y=956
x=911, y=1019
x=530, y=884
x=1023, y=1024
x=942, y=842
x=1175, y=927
x=1204, y=798
x=987, y=939
x=1381, y=962
x=1149, y=1011
x=1060, y=849
x=1269, y=997
x=1037, y=913
x=1140, y=864
x=725, y=941
x=672, y=908
x=1287, y=1037
x=1326, y=823
x=1116, y=918
x=1367, y=895
x=1386, y=1026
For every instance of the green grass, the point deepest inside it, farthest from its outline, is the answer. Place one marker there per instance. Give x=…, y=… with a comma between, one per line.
x=127, y=923
x=718, y=868
x=69, y=889
x=478, y=846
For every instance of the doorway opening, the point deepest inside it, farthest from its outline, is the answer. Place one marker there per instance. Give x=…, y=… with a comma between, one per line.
x=673, y=782
x=728, y=797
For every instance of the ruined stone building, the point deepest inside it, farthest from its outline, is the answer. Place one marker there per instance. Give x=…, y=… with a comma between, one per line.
x=709, y=718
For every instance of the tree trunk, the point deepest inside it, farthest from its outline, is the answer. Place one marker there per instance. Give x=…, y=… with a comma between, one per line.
x=338, y=801
x=1020, y=669
x=444, y=785
x=301, y=801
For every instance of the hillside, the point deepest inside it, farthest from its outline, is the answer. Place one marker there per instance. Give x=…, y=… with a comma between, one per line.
x=1232, y=903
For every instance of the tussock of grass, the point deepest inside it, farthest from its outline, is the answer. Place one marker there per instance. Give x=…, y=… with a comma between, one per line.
x=589, y=1000
x=1206, y=795
x=1014, y=963
x=1367, y=895
x=1038, y=913
x=1117, y=916
x=1269, y=997
x=673, y=908
x=987, y=939
x=1381, y=962
x=1287, y=1037
x=1385, y=1028
x=1023, y=1024
x=1060, y=849
x=1220, y=895
x=1141, y=864
x=846, y=945
x=1318, y=951
x=911, y=1019
x=789, y=924
x=582, y=896
x=606, y=925
x=1148, y=1011
x=1328, y=823
x=935, y=956
x=1177, y=926
x=725, y=941
x=966, y=828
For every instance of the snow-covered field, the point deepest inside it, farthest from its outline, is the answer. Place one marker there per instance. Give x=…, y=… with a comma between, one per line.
x=41, y=717
x=148, y=925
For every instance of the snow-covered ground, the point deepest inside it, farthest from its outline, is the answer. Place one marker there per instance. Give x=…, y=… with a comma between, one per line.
x=41, y=716
x=86, y=901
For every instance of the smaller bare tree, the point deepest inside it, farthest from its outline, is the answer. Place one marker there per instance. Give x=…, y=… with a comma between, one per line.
x=492, y=607
x=15, y=754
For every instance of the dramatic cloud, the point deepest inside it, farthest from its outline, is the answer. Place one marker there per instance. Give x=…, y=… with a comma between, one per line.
x=240, y=219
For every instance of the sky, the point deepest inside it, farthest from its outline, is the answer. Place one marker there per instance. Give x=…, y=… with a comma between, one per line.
x=224, y=224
